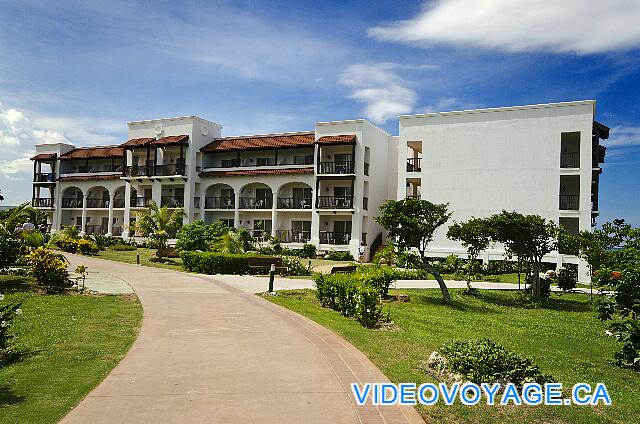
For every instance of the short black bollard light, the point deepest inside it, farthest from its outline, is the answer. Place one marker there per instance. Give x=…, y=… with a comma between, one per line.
x=138, y=259
x=272, y=274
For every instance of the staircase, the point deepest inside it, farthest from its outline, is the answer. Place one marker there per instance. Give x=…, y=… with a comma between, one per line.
x=375, y=246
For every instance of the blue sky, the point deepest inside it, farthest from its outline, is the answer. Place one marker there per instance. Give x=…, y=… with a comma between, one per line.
x=80, y=70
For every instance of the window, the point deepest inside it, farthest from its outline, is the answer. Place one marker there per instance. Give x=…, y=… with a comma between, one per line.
x=227, y=221
x=229, y=163
x=263, y=225
x=301, y=193
x=264, y=194
x=342, y=227
x=263, y=161
x=342, y=191
x=226, y=193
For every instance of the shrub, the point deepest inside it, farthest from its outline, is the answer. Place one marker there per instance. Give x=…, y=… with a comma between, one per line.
x=87, y=247
x=335, y=255
x=294, y=266
x=68, y=245
x=198, y=235
x=215, y=263
x=9, y=251
x=104, y=241
x=49, y=270
x=8, y=313
x=351, y=296
x=167, y=252
x=122, y=247
x=567, y=278
x=308, y=251
x=485, y=361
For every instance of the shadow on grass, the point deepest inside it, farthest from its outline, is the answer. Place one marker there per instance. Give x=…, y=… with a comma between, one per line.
x=456, y=303
x=523, y=301
x=8, y=397
x=16, y=283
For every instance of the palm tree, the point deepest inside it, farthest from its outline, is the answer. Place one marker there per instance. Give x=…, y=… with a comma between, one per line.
x=13, y=218
x=159, y=224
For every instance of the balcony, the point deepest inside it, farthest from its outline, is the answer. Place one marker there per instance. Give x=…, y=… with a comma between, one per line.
x=70, y=202
x=260, y=235
x=294, y=203
x=170, y=169
x=570, y=160
x=414, y=165
x=256, y=203
x=335, y=202
x=171, y=202
x=569, y=202
x=42, y=202
x=118, y=203
x=413, y=196
x=264, y=162
x=41, y=177
x=97, y=203
x=91, y=169
x=332, y=237
x=342, y=167
x=219, y=203
x=140, y=202
x=136, y=171
x=95, y=229
x=291, y=236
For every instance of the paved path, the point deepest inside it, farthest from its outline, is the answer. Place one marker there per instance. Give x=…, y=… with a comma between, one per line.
x=211, y=353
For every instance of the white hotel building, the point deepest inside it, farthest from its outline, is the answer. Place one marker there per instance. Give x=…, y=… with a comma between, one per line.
x=325, y=186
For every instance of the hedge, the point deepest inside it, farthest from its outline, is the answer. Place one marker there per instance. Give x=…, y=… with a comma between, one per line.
x=215, y=263
x=350, y=295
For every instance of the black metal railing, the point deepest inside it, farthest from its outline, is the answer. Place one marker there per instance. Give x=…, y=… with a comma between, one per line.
x=294, y=203
x=413, y=196
x=334, y=202
x=414, y=164
x=366, y=168
x=170, y=169
x=365, y=203
x=137, y=171
x=95, y=229
x=118, y=203
x=93, y=169
x=570, y=160
x=291, y=236
x=253, y=162
x=171, y=202
x=139, y=202
x=569, y=202
x=260, y=235
x=332, y=237
x=97, y=203
x=342, y=167
x=219, y=203
x=256, y=203
x=42, y=202
x=44, y=177
x=71, y=202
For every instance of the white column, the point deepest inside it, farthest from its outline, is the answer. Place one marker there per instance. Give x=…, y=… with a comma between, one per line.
x=236, y=211
x=156, y=192
x=127, y=210
x=274, y=214
x=110, y=223
x=356, y=232
x=57, y=209
x=159, y=156
x=203, y=199
x=84, y=214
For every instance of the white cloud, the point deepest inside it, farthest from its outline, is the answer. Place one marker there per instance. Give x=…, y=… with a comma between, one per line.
x=623, y=136
x=447, y=104
x=384, y=93
x=566, y=26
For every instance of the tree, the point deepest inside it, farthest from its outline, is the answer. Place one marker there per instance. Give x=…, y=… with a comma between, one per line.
x=199, y=236
x=528, y=237
x=413, y=222
x=159, y=224
x=475, y=236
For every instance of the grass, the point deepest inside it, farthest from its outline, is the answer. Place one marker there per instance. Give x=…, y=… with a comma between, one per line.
x=130, y=257
x=562, y=336
x=66, y=343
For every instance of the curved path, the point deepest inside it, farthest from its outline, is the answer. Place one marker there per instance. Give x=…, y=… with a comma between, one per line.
x=210, y=353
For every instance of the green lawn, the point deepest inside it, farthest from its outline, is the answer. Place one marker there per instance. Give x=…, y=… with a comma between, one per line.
x=145, y=254
x=67, y=344
x=562, y=336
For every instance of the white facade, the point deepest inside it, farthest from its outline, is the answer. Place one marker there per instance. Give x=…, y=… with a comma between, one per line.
x=539, y=159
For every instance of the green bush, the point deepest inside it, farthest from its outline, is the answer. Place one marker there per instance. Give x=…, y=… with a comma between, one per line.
x=68, y=245
x=308, y=251
x=87, y=247
x=9, y=251
x=8, y=313
x=122, y=247
x=567, y=278
x=294, y=266
x=167, y=252
x=351, y=296
x=49, y=269
x=485, y=361
x=104, y=241
x=335, y=255
x=215, y=263
x=198, y=235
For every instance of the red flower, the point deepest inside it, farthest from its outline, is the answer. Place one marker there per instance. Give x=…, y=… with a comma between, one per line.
x=616, y=275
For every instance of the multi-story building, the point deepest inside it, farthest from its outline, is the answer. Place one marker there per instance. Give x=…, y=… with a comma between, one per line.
x=325, y=186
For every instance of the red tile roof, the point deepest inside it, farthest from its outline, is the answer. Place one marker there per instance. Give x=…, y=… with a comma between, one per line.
x=328, y=139
x=90, y=177
x=260, y=142
x=94, y=153
x=258, y=172
x=164, y=141
x=44, y=156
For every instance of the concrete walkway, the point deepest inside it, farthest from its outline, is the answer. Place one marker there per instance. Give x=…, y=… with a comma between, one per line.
x=209, y=352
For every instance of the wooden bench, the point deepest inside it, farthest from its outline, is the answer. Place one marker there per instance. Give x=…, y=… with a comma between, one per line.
x=264, y=263
x=344, y=269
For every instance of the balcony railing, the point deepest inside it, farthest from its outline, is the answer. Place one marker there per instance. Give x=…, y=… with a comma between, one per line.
x=116, y=230
x=118, y=203
x=170, y=169
x=42, y=202
x=71, y=202
x=342, y=167
x=97, y=203
x=136, y=171
x=47, y=177
x=260, y=235
x=95, y=229
x=332, y=237
x=219, y=202
x=171, y=202
x=140, y=202
x=253, y=162
x=365, y=203
x=414, y=164
x=256, y=203
x=294, y=203
x=335, y=202
x=413, y=196
x=291, y=236
x=569, y=202
x=570, y=160
x=93, y=169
